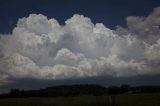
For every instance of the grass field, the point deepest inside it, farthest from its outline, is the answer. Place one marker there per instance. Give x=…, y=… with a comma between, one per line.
x=120, y=100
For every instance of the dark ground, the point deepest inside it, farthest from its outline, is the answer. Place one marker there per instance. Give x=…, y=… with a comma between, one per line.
x=106, y=100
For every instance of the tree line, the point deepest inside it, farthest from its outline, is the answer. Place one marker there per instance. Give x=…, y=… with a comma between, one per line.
x=78, y=90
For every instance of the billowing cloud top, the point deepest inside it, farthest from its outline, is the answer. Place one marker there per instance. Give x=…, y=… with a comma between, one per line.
x=41, y=48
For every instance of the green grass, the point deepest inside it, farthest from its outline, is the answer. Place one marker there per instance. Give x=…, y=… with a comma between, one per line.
x=121, y=100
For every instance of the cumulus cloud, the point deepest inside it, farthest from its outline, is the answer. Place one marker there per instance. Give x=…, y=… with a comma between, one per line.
x=153, y=51
x=144, y=28
x=41, y=48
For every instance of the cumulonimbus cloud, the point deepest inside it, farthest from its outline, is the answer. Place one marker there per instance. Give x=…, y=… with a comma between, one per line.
x=41, y=48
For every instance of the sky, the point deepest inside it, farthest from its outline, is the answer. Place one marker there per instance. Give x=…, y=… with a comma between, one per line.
x=109, y=12
x=53, y=42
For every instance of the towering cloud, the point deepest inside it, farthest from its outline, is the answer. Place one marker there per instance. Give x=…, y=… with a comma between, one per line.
x=41, y=48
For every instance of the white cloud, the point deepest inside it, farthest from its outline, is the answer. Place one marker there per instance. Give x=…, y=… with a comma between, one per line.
x=144, y=28
x=153, y=51
x=41, y=48
x=18, y=66
x=65, y=56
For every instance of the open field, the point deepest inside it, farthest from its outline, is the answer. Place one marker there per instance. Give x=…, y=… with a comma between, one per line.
x=120, y=100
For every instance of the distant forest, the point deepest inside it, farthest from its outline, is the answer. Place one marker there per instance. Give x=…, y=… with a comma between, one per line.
x=78, y=90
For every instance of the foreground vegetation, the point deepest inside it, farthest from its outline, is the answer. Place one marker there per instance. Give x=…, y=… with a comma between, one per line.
x=84, y=95
x=105, y=100
x=79, y=90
